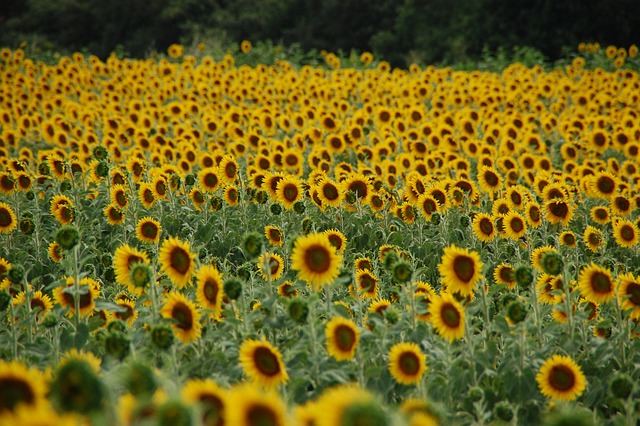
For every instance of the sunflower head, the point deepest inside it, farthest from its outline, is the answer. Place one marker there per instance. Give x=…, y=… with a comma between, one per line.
x=561, y=378
x=76, y=387
x=298, y=310
x=67, y=237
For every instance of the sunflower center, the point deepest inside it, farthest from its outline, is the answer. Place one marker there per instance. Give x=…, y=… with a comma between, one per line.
x=622, y=204
x=517, y=225
x=182, y=315
x=5, y=218
x=132, y=260
x=486, y=226
x=627, y=233
x=13, y=391
x=409, y=363
x=569, y=239
x=121, y=199
x=128, y=313
x=506, y=274
x=274, y=265
x=345, y=337
x=594, y=239
x=429, y=206
x=211, y=289
x=491, y=179
x=559, y=209
x=330, y=192
x=211, y=411
x=561, y=378
x=516, y=198
x=318, y=259
x=261, y=415
x=359, y=188
x=335, y=241
x=290, y=192
x=633, y=291
x=230, y=170
x=367, y=283
x=464, y=267
x=274, y=235
x=534, y=214
x=180, y=260
x=450, y=315
x=601, y=214
x=161, y=188
x=148, y=196
x=266, y=361
x=606, y=185
x=600, y=283
x=149, y=230
x=210, y=180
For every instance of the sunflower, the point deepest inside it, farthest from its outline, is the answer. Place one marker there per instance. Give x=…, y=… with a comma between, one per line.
x=337, y=239
x=210, y=289
x=546, y=286
x=113, y=213
x=274, y=235
x=288, y=191
x=159, y=187
x=64, y=214
x=41, y=304
x=505, y=274
x=596, y=284
x=55, y=252
x=592, y=237
x=561, y=378
x=262, y=363
x=329, y=192
x=558, y=211
x=124, y=258
x=177, y=261
x=625, y=233
x=211, y=398
x=249, y=405
x=287, y=289
x=342, y=338
x=129, y=313
x=271, y=266
x=20, y=386
x=600, y=215
x=367, y=284
x=447, y=316
x=427, y=205
x=514, y=225
x=118, y=196
x=489, y=179
x=407, y=363
x=315, y=259
x=349, y=405
x=186, y=318
x=359, y=185
x=629, y=294
x=423, y=294
x=197, y=197
x=362, y=263
x=604, y=185
x=460, y=269
x=228, y=168
x=483, y=227
x=208, y=179
x=8, y=220
x=568, y=238
x=89, y=292
x=538, y=253
x=148, y=230
x=146, y=195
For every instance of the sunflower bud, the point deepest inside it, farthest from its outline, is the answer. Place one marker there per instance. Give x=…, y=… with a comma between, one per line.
x=100, y=152
x=233, y=288
x=261, y=197
x=5, y=299
x=189, y=180
x=77, y=388
x=102, y=169
x=215, y=203
x=475, y=394
x=174, y=413
x=139, y=380
x=524, y=276
x=298, y=310
x=50, y=321
x=67, y=237
x=390, y=259
x=552, y=263
x=162, y=336
x=116, y=344
x=252, y=245
x=30, y=195
x=65, y=186
x=16, y=274
x=140, y=274
x=402, y=272
x=516, y=311
x=365, y=413
x=503, y=411
x=26, y=226
x=275, y=209
x=299, y=207
x=621, y=386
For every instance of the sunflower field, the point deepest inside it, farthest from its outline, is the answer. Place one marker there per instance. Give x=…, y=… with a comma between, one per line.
x=192, y=239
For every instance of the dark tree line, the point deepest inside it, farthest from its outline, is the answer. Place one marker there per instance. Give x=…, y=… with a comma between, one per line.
x=430, y=31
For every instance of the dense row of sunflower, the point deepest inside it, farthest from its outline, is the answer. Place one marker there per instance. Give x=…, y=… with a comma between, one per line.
x=187, y=240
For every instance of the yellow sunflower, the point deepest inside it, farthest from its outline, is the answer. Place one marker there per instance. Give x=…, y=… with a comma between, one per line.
x=561, y=378
x=329, y=192
x=262, y=363
x=625, y=233
x=63, y=296
x=41, y=304
x=124, y=258
x=342, y=338
x=315, y=259
x=228, y=168
x=489, y=179
x=337, y=239
x=249, y=405
x=447, y=316
x=629, y=294
x=596, y=284
x=366, y=284
x=592, y=237
x=270, y=266
x=288, y=191
x=349, y=404
x=20, y=386
x=407, y=363
x=208, y=179
x=210, y=289
x=8, y=221
x=211, y=398
x=514, y=225
x=483, y=227
x=177, y=261
x=186, y=318
x=504, y=274
x=558, y=211
x=568, y=239
x=460, y=269
x=600, y=215
x=274, y=235
x=148, y=230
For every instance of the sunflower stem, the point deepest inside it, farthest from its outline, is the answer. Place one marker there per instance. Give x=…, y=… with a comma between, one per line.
x=76, y=287
x=313, y=349
x=485, y=311
x=14, y=335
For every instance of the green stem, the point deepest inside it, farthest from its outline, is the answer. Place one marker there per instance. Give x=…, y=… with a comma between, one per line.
x=14, y=335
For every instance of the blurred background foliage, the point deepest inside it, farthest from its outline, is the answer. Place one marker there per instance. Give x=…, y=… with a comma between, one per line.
x=400, y=31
